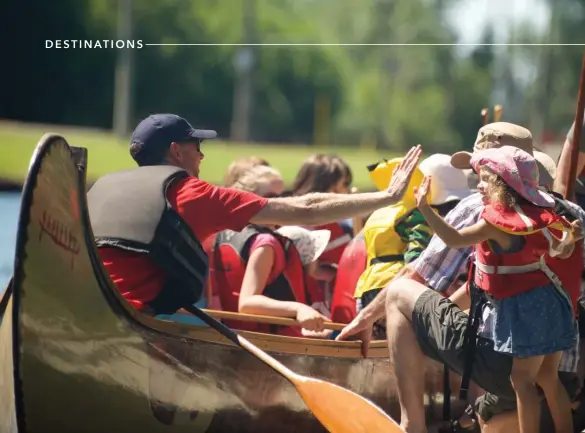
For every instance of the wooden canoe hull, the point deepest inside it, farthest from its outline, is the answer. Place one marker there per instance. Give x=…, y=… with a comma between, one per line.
x=86, y=361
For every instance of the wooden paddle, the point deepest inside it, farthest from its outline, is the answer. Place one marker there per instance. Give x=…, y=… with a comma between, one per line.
x=271, y=320
x=484, y=116
x=498, y=110
x=338, y=409
x=569, y=158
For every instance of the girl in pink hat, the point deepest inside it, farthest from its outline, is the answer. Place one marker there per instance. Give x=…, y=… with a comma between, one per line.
x=516, y=237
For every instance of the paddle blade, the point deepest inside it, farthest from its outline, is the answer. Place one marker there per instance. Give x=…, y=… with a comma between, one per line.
x=343, y=411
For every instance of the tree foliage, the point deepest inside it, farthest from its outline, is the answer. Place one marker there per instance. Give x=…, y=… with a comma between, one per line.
x=384, y=96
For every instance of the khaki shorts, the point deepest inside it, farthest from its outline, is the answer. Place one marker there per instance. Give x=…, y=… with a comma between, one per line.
x=440, y=328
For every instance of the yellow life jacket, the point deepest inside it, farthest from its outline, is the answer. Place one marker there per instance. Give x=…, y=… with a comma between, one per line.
x=384, y=246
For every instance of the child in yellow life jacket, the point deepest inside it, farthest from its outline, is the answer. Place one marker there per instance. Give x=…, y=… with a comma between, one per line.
x=396, y=235
x=515, y=238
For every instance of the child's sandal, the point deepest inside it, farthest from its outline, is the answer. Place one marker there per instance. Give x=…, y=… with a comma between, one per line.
x=456, y=427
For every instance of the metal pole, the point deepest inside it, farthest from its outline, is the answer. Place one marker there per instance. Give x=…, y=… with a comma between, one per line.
x=123, y=78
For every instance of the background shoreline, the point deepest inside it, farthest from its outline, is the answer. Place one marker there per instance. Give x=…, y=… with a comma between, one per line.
x=9, y=185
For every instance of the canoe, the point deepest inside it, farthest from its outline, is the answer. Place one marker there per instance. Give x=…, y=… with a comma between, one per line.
x=75, y=356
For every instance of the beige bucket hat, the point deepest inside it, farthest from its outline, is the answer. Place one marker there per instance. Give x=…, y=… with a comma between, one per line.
x=500, y=134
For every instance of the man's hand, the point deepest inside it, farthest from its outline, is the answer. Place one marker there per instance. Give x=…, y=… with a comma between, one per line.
x=403, y=173
x=361, y=327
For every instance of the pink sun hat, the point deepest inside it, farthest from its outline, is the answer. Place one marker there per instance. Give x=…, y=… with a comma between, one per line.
x=517, y=168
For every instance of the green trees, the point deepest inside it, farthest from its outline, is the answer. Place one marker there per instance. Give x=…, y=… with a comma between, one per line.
x=383, y=96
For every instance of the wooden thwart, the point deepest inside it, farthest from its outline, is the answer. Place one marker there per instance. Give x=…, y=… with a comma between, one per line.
x=270, y=320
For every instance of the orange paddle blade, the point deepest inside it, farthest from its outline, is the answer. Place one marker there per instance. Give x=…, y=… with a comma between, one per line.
x=341, y=410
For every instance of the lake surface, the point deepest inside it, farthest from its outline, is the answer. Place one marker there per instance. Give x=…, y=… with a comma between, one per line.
x=9, y=210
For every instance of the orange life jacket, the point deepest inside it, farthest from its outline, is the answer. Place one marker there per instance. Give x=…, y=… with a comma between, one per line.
x=228, y=263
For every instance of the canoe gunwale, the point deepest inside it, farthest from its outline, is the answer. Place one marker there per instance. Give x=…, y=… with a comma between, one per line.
x=272, y=343
x=43, y=147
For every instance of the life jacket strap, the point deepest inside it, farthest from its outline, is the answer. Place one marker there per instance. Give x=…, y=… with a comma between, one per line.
x=387, y=259
x=505, y=270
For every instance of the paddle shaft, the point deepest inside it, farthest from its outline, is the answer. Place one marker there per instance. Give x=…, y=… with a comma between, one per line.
x=484, y=116
x=498, y=112
x=574, y=149
x=244, y=344
x=272, y=320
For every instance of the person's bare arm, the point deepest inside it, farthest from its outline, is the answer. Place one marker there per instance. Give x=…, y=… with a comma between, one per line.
x=321, y=208
x=453, y=238
x=377, y=308
x=477, y=233
x=361, y=325
x=252, y=301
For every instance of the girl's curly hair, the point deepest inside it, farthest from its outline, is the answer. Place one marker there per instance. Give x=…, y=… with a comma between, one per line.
x=501, y=193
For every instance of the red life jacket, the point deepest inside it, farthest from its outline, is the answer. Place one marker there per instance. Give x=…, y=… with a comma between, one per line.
x=495, y=273
x=351, y=266
x=321, y=291
x=227, y=268
x=317, y=292
x=341, y=235
x=569, y=271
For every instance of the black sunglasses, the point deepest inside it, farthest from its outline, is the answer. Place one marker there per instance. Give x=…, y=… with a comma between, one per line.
x=195, y=141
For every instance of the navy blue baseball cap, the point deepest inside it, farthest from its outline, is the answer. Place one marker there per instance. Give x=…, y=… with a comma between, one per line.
x=153, y=136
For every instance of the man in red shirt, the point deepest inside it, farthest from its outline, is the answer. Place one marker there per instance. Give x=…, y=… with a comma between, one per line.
x=150, y=243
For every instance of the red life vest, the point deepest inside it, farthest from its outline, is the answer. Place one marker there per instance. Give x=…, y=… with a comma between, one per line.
x=569, y=271
x=341, y=235
x=351, y=266
x=320, y=292
x=495, y=273
x=228, y=263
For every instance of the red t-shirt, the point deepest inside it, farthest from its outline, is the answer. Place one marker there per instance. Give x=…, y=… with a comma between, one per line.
x=206, y=208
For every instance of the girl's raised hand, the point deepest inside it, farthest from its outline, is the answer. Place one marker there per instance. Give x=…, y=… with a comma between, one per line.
x=421, y=193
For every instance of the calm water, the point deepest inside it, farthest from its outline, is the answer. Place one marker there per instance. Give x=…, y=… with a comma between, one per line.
x=9, y=209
